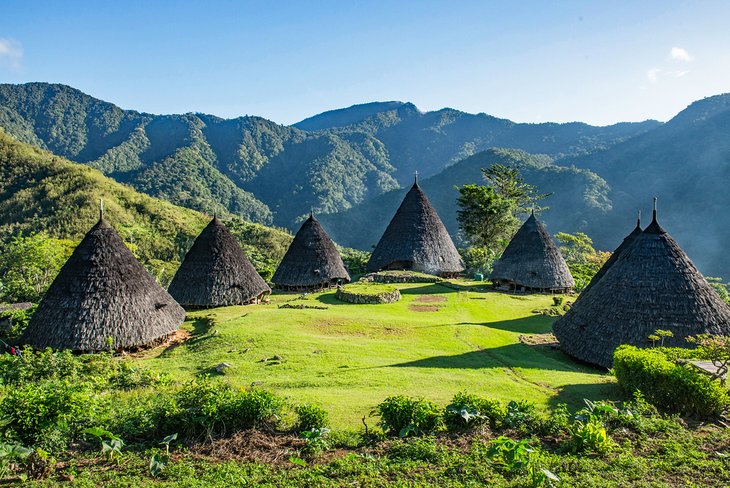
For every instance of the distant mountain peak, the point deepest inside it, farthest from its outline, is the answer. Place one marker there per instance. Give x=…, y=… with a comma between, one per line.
x=350, y=115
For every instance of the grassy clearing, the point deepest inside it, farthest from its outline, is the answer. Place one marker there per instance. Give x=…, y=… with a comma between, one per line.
x=348, y=358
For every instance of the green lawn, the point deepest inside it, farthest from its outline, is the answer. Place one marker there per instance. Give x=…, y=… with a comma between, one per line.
x=348, y=358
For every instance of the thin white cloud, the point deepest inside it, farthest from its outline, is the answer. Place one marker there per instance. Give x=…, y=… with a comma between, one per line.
x=653, y=75
x=11, y=53
x=681, y=54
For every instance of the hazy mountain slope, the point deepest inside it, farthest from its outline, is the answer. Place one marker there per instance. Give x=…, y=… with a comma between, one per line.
x=428, y=141
x=43, y=192
x=686, y=164
x=579, y=196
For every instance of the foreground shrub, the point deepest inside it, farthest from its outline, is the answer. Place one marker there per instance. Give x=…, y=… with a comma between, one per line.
x=401, y=415
x=49, y=414
x=467, y=409
x=669, y=386
x=211, y=407
x=590, y=436
x=310, y=417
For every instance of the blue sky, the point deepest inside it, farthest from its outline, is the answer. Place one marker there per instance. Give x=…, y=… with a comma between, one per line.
x=598, y=62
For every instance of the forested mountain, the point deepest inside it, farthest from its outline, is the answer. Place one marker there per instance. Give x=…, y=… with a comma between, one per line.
x=686, y=164
x=349, y=161
x=265, y=172
x=43, y=192
x=429, y=141
x=579, y=197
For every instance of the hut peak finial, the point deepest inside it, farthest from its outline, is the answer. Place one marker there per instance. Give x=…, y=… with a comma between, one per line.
x=638, y=219
x=654, y=213
x=416, y=178
x=101, y=209
x=311, y=212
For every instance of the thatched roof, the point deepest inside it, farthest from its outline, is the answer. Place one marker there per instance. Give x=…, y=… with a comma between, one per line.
x=312, y=260
x=417, y=240
x=614, y=256
x=651, y=285
x=103, y=292
x=216, y=272
x=532, y=260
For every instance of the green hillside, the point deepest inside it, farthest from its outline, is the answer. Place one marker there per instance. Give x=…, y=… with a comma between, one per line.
x=43, y=192
x=579, y=197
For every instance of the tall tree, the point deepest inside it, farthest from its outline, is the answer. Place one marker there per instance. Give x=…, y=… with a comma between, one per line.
x=510, y=185
x=488, y=215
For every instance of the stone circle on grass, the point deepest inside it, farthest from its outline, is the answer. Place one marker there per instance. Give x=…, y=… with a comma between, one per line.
x=368, y=293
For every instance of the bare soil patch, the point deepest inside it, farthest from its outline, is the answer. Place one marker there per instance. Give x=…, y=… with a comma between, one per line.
x=251, y=446
x=423, y=308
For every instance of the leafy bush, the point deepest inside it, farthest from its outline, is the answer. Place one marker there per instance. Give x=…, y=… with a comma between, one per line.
x=316, y=441
x=49, y=414
x=310, y=417
x=509, y=454
x=669, y=386
x=401, y=415
x=521, y=415
x=467, y=409
x=589, y=436
x=255, y=408
x=18, y=318
x=206, y=406
x=557, y=421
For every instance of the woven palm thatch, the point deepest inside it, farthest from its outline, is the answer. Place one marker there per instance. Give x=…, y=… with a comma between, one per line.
x=216, y=272
x=614, y=256
x=651, y=285
x=311, y=262
x=416, y=240
x=532, y=261
x=103, y=297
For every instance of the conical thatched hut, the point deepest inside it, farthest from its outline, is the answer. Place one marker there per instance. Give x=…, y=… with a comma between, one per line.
x=216, y=272
x=416, y=240
x=311, y=262
x=532, y=262
x=103, y=297
x=621, y=248
x=652, y=285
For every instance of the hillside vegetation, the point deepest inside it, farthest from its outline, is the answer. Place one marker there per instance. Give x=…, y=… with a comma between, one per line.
x=43, y=192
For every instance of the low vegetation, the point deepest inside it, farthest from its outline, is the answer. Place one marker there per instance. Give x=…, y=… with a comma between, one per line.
x=670, y=385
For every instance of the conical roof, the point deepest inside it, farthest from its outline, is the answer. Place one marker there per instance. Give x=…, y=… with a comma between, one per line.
x=621, y=248
x=651, y=285
x=416, y=239
x=103, y=297
x=216, y=272
x=312, y=260
x=532, y=260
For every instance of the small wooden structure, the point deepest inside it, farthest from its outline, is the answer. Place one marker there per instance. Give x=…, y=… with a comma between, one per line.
x=532, y=262
x=103, y=298
x=216, y=272
x=311, y=262
x=416, y=240
x=651, y=285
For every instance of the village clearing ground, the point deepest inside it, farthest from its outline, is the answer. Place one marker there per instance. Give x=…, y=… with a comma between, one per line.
x=347, y=358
